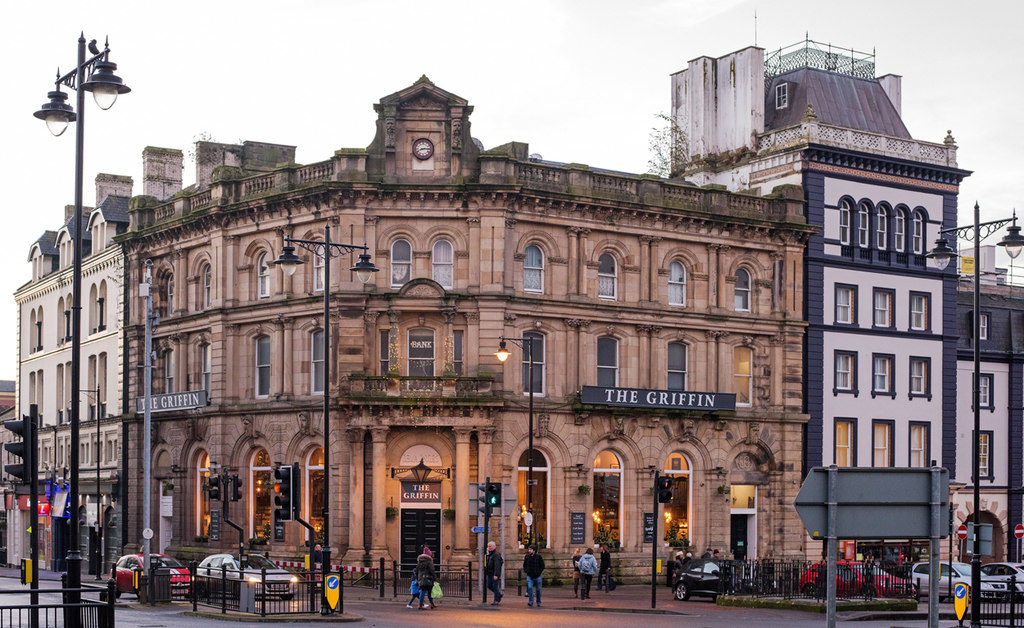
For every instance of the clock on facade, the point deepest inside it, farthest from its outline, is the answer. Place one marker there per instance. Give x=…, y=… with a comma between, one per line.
x=422, y=148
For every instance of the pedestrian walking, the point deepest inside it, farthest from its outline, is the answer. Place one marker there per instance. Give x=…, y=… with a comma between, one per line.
x=677, y=566
x=493, y=568
x=533, y=567
x=707, y=554
x=316, y=561
x=425, y=578
x=588, y=567
x=604, y=575
x=576, y=555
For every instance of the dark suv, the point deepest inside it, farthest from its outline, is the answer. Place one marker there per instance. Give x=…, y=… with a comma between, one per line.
x=700, y=577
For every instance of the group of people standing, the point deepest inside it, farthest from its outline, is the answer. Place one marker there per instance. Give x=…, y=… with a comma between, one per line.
x=585, y=566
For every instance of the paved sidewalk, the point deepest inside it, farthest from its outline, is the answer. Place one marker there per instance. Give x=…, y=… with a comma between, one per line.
x=14, y=572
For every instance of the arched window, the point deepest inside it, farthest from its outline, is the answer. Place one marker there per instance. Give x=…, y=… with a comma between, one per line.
x=536, y=341
x=206, y=277
x=421, y=353
x=316, y=368
x=204, y=367
x=401, y=263
x=741, y=375
x=539, y=493
x=882, y=228
x=863, y=218
x=844, y=221
x=101, y=307
x=202, y=496
x=607, y=277
x=318, y=272
x=900, y=232
x=677, y=512
x=444, y=263
x=33, y=330
x=676, y=283
x=168, y=371
x=36, y=340
x=741, y=291
x=262, y=366
x=93, y=314
x=315, y=500
x=607, y=491
x=39, y=325
x=918, y=233
x=261, y=487
x=607, y=361
x=262, y=277
x=533, y=269
x=168, y=294
x=676, y=366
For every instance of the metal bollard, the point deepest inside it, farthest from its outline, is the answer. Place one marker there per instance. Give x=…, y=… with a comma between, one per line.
x=381, y=577
x=394, y=576
x=263, y=591
x=192, y=568
x=341, y=589
x=519, y=582
x=111, y=597
x=223, y=589
x=469, y=579
x=1013, y=599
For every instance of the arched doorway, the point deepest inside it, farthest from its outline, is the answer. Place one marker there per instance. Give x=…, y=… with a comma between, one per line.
x=998, y=538
x=607, y=491
x=539, y=528
x=420, y=503
x=261, y=484
x=677, y=512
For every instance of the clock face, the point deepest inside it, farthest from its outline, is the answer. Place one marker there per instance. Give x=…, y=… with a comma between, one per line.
x=422, y=148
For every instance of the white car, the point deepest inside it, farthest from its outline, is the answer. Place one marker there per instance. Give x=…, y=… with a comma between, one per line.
x=990, y=587
x=279, y=582
x=1003, y=572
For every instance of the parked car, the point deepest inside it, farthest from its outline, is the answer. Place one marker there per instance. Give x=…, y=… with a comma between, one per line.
x=250, y=569
x=1002, y=572
x=123, y=568
x=700, y=577
x=855, y=578
x=961, y=573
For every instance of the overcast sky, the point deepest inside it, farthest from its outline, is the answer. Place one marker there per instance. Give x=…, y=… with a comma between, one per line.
x=579, y=81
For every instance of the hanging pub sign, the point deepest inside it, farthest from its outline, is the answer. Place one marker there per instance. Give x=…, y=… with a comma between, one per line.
x=421, y=494
x=661, y=399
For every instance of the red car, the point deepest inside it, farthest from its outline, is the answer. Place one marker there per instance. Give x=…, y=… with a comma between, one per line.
x=851, y=580
x=126, y=565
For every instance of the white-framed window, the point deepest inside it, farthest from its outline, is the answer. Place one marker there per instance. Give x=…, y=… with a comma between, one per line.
x=882, y=228
x=845, y=304
x=533, y=269
x=900, y=231
x=261, y=495
x=314, y=495
x=984, y=391
x=919, y=314
x=318, y=272
x=207, y=279
x=168, y=371
x=317, y=362
x=919, y=377
x=205, y=367
x=844, y=221
x=881, y=444
x=741, y=291
x=919, y=435
x=782, y=95
x=742, y=380
x=882, y=374
x=444, y=263
x=844, y=443
x=607, y=277
x=537, y=351
x=607, y=361
x=676, y=283
x=983, y=326
x=401, y=263
x=262, y=276
x=883, y=314
x=985, y=454
x=202, y=494
x=862, y=225
x=421, y=352
x=677, y=366
x=844, y=371
x=262, y=366
x=168, y=296
x=917, y=235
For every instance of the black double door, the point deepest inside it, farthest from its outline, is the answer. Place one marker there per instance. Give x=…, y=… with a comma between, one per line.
x=420, y=527
x=738, y=536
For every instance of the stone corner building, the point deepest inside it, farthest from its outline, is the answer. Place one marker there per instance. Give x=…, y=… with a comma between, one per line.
x=623, y=281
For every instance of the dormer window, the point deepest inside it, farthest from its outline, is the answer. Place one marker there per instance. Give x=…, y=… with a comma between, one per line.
x=782, y=96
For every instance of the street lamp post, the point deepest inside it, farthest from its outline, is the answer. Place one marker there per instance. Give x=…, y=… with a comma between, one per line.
x=502, y=354
x=943, y=254
x=364, y=270
x=99, y=78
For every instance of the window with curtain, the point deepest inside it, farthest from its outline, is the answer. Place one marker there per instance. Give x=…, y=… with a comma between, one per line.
x=317, y=362
x=862, y=225
x=607, y=277
x=401, y=263
x=533, y=269
x=920, y=317
x=262, y=366
x=882, y=228
x=262, y=276
x=844, y=448
x=537, y=342
x=919, y=437
x=845, y=304
x=318, y=272
x=844, y=222
x=917, y=235
x=742, y=379
x=444, y=263
x=882, y=374
x=741, y=291
x=676, y=366
x=676, y=283
x=607, y=361
x=882, y=444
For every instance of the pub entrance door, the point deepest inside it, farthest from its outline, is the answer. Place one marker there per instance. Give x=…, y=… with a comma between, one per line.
x=420, y=527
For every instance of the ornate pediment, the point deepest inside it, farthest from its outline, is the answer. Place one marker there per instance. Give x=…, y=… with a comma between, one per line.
x=422, y=289
x=422, y=94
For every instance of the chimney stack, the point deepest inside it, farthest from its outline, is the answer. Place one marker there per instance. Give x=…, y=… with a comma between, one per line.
x=161, y=172
x=112, y=185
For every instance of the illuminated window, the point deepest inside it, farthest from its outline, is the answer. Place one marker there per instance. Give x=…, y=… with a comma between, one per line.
x=607, y=492
x=540, y=498
x=261, y=485
x=677, y=512
x=741, y=375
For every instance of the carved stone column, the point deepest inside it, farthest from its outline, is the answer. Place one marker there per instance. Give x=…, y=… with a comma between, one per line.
x=645, y=267
x=449, y=340
x=574, y=358
x=652, y=275
x=714, y=359
x=508, y=264
x=647, y=367
x=229, y=385
x=470, y=354
x=485, y=437
x=394, y=352
x=229, y=270
x=581, y=266
x=355, y=493
x=474, y=252
x=282, y=362
x=378, y=534
x=287, y=361
x=462, y=488
x=572, y=283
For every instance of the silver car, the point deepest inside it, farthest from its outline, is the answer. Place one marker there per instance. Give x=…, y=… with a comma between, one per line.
x=990, y=588
x=1003, y=572
x=279, y=582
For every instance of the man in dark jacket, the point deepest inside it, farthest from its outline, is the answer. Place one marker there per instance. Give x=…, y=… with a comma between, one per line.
x=605, y=572
x=493, y=567
x=533, y=567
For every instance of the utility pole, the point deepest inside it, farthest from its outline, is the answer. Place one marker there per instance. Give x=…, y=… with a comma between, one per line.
x=146, y=290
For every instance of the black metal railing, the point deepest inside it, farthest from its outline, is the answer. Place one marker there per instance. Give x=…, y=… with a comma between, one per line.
x=214, y=588
x=281, y=595
x=60, y=606
x=793, y=579
x=171, y=587
x=1004, y=609
x=455, y=580
x=259, y=593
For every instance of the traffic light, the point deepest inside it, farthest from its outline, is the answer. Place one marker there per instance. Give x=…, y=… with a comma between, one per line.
x=481, y=496
x=493, y=496
x=24, y=449
x=236, y=488
x=664, y=489
x=214, y=490
x=283, y=493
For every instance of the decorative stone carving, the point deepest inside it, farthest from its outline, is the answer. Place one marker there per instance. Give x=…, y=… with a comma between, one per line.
x=370, y=318
x=744, y=462
x=457, y=134
x=543, y=424
x=577, y=323
x=389, y=132
x=509, y=318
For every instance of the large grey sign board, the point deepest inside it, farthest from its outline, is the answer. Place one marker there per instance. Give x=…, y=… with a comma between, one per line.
x=873, y=503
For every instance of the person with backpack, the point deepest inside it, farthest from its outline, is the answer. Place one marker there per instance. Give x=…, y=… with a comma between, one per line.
x=425, y=577
x=533, y=567
x=588, y=567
